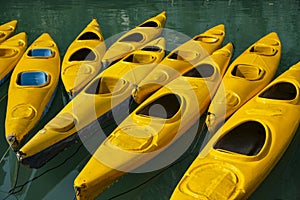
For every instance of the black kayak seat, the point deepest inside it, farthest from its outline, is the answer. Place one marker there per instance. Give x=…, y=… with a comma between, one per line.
x=134, y=37
x=170, y=103
x=89, y=36
x=280, y=91
x=84, y=54
x=201, y=71
x=149, y=24
x=32, y=78
x=247, y=138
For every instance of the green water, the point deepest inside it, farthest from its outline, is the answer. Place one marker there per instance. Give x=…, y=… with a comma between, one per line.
x=245, y=21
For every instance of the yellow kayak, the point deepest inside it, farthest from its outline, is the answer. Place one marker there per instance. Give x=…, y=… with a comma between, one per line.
x=154, y=125
x=82, y=61
x=11, y=50
x=84, y=114
x=32, y=85
x=134, y=39
x=246, y=76
x=180, y=60
x=241, y=154
x=7, y=30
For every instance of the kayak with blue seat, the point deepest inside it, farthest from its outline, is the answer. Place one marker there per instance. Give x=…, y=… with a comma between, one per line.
x=246, y=76
x=11, y=51
x=180, y=60
x=7, y=30
x=85, y=113
x=154, y=125
x=82, y=61
x=134, y=39
x=31, y=88
x=244, y=151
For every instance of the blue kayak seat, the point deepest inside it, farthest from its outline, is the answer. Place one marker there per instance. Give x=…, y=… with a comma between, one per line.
x=40, y=53
x=33, y=78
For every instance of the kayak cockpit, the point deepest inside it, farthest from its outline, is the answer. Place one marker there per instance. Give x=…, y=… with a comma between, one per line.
x=41, y=53
x=164, y=107
x=247, y=139
x=106, y=86
x=201, y=71
x=84, y=54
x=149, y=24
x=139, y=58
x=248, y=72
x=280, y=91
x=134, y=37
x=89, y=36
x=33, y=79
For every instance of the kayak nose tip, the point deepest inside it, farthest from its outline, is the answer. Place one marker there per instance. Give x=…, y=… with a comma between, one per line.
x=19, y=155
x=13, y=142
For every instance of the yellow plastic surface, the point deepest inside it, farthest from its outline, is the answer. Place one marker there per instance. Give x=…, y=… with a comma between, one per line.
x=135, y=38
x=11, y=51
x=77, y=73
x=26, y=104
x=180, y=60
x=141, y=137
x=218, y=173
x=107, y=90
x=246, y=76
x=7, y=30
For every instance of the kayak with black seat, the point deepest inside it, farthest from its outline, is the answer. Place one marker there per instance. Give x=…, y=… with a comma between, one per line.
x=154, y=125
x=180, y=60
x=11, y=51
x=244, y=151
x=134, y=39
x=82, y=61
x=7, y=30
x=85, y=113
x=31, y=88
x=246, y=76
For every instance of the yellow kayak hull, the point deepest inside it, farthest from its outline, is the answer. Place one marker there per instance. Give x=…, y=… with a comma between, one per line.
x=27, y=99
x=180, y=60
x=243, y=152
x=105, y=92
x=11, y=51
x=246, y=76
x=82, y=61
x=7, y=30
x=134, y=39
x=146, y=132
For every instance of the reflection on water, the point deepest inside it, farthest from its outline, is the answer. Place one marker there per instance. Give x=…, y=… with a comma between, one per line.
x=245, y=21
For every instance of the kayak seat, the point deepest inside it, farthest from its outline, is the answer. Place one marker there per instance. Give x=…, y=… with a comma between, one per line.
x=247, y=138
x=262, y=49
x=5, y=53
x=89, y=36
x=140, y=58
x=135, y=37
x=105, y=85
x=164, y=107
x=83, y=54
x=32, y=78
x=201, y=71
x=206, y=39
x=249, y=72
x=183, y=55
x=151, y=48
x=280, y=91
x=41, y=53
x=149, y=24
